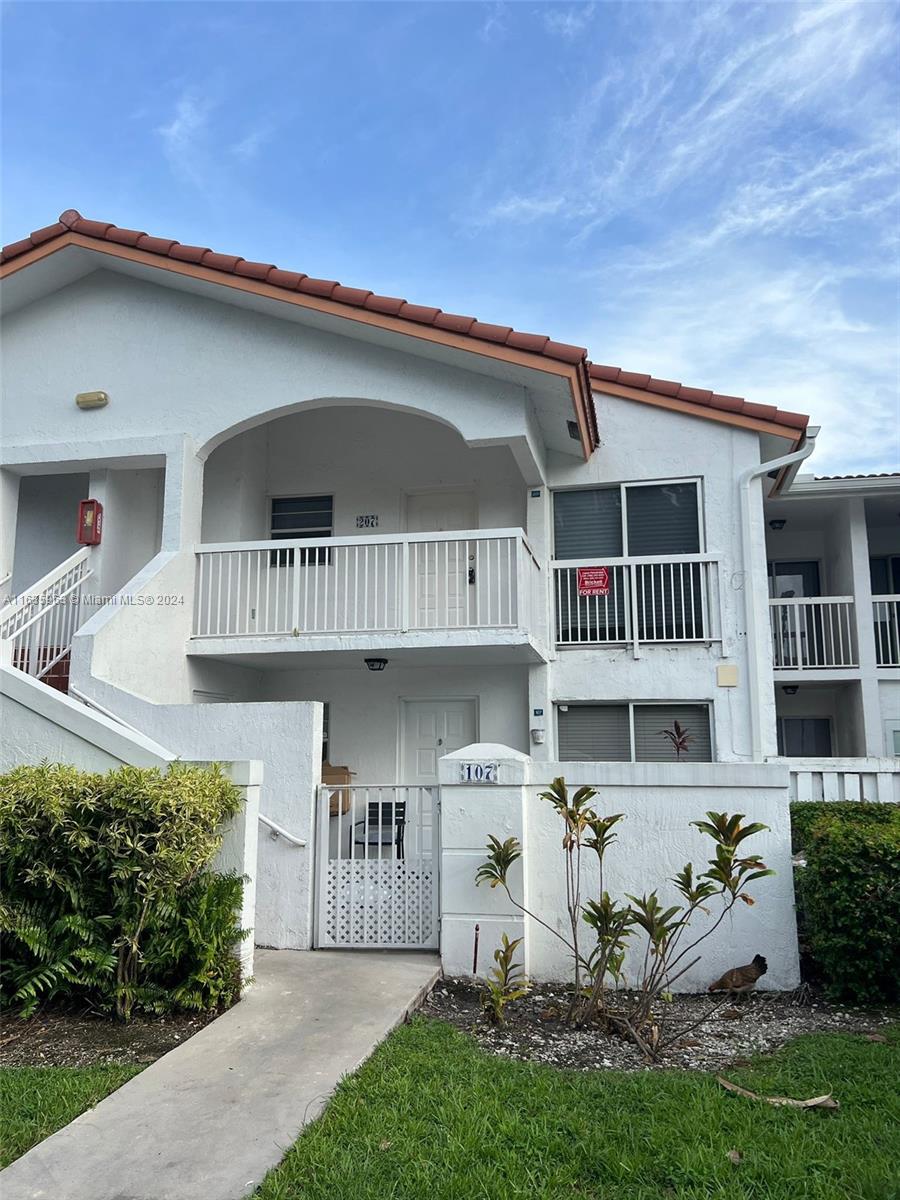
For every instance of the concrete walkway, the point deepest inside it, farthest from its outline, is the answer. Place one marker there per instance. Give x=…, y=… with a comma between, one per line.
x=206, y=1121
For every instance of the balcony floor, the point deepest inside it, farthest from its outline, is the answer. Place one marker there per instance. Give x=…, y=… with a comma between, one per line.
x=442, y=647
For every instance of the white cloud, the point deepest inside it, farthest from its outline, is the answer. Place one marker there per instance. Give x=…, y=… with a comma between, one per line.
x=750, y=154
x=183, y=138
x=249, y=145
x=568, y=22
x=781, y=337
x=494, y=24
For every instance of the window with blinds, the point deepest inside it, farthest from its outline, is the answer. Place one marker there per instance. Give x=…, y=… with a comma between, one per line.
x=631, y=732
x=295, y=518
x=656, y=519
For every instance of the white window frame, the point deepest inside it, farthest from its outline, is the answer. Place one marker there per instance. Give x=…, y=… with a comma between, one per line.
x=623, y=487
x=630, y=704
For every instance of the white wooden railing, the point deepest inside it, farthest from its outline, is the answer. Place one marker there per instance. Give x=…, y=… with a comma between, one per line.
x=886, y=615
x=475, y=579
x=674, y=599
x=871, y=779
x=37, y=627
x=813, y=633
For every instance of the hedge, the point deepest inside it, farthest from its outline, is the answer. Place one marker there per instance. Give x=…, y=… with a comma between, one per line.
x=849, y=899
x=805, y=814
x=107, y=895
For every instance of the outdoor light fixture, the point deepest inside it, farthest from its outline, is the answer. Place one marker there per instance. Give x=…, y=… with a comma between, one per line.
x=790, y=689
x=778, y=523
x=376, y=664
x=92, y=399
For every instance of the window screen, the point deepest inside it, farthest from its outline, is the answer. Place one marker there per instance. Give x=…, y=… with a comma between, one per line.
x=663, y=519
x=588, y=523
x=594, y=733
x=651, y=746
x=297, y=518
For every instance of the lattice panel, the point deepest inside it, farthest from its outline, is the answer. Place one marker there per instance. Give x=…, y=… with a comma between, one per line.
x=380, y=902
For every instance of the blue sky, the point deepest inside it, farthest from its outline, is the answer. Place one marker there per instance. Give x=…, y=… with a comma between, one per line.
x=705, y=192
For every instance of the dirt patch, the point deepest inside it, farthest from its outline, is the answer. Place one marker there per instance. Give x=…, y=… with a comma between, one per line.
x=535, y=1029
x=55, y=1039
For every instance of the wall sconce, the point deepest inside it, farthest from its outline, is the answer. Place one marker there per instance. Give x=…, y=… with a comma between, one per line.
x=790, y=689
x=777, y=523
x=92, y=399
x=376, y=664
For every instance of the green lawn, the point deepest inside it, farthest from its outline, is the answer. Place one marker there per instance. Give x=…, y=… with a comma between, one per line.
x=432, y=1117
x=36, y=1101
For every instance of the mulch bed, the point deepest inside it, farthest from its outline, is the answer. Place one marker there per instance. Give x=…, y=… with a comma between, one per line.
x=535, y=1030
x=60, y=1039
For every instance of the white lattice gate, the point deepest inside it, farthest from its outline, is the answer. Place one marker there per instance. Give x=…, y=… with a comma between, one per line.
x=378, y=867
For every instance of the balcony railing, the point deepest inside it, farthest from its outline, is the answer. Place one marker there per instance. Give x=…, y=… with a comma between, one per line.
x=863, y=779
x=813, y=633
x=886, y=615
x=644, y=600
x=473, y=579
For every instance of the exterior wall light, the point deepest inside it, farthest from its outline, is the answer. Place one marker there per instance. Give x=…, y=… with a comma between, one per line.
x=376, y=664
x=92, y=399
x=778, y=523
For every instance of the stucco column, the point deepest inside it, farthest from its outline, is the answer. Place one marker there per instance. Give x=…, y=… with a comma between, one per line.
x=182, y=498
x=865, y=628
x=482, y=792
x=9, y=502
x=239, y=850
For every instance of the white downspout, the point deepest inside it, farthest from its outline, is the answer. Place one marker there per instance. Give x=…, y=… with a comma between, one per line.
x=754, y=635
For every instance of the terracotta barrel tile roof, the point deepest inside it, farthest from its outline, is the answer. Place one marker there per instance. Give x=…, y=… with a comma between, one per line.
x=292, y=281
x=678, y=391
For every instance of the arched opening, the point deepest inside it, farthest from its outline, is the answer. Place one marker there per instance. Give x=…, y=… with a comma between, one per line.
x=374, y=469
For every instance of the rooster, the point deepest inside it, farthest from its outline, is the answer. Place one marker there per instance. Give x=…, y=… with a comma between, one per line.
x=740, y=981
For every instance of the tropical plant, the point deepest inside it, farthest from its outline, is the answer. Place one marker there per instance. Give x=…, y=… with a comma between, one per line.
x=505, y=982
x=107, y=895
x=668, y=948
x=678, y=737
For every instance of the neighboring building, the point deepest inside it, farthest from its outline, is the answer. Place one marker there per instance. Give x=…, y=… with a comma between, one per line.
x=441, y=531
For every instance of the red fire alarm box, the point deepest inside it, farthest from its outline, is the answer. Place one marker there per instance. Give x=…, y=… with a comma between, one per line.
x=90, y=523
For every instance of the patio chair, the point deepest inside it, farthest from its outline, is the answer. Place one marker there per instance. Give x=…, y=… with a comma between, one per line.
x=385, y=826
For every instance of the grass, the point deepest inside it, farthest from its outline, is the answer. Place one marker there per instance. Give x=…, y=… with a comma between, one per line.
x=36, y=1101
x=432, y=1117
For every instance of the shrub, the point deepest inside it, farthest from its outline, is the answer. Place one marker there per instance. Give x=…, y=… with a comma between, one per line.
x=107, y=895
x=849, y=898
x=805, y=814
x=505, y=982
x=667, y=940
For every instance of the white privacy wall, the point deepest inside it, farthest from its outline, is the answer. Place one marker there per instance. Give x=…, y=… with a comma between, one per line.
x=641, y=442
x=287, y=739
x=655, y=840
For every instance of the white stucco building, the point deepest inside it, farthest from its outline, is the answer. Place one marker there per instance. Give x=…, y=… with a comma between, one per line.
x=341, y=527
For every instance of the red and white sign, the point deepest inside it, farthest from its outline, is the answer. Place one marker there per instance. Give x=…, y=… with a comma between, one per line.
x=593, y=581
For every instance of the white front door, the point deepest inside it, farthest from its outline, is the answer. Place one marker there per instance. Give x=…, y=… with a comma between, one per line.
x=441, y=570
x=431, y=729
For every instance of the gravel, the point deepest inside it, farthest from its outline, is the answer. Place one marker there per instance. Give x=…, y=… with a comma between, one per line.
x=535, y=1030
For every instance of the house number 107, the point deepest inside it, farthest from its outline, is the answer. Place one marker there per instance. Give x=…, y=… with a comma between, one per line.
x=477, y=772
